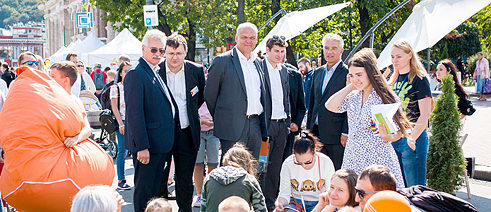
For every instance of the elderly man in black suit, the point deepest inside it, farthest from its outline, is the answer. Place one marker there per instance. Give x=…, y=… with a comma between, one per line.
x=186, y=81
x=235, y=94
x=151, y=119
x=332, y=128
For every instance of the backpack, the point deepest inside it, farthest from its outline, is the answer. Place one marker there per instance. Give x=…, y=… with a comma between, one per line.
x=106, y=97
x=99, y=80
x=432, y=200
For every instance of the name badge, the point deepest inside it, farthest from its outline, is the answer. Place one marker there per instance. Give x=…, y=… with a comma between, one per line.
x=194, y=91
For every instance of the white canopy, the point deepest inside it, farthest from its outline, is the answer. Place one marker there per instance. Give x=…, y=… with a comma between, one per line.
x=90, y=43
x=63, y=51
x=430, y=21
x=296, y=22
x=123, y=43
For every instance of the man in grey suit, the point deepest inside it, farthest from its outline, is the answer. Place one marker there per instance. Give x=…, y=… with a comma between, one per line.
x=278, y=114
x=332, y=128
x=234, y=94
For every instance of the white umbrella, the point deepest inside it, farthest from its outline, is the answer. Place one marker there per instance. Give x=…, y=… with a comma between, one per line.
x=90, y=43
x=294, y=23
x=123, y=43
x=430, y=21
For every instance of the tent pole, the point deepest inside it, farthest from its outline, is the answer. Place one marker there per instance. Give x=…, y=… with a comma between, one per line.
x=270, y=19
x=372, y=35
x=429, y=59
x=375, y=27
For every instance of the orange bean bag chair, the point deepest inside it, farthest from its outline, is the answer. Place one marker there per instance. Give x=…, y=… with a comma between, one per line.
x=387, y=201
x=40, y=172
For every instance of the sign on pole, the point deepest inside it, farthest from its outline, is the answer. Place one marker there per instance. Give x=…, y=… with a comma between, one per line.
x=84, y=20
x=150, y=15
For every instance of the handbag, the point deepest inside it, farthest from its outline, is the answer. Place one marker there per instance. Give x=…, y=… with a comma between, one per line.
x=108, y=121
x=486, y=88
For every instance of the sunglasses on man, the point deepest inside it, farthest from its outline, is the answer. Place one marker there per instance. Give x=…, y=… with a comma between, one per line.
x=155, y=50
x=276, y=37
x=30, y=62
x=361, y=193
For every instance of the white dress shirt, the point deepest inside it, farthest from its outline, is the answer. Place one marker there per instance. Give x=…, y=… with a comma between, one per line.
x=278, y=109
x=155, y=70
x=177, y=86
x=252, y=83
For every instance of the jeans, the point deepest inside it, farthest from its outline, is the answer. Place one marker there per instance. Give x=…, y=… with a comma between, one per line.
x=413, y=163
x=208, y=147
x=298, y=205
x=121, y=156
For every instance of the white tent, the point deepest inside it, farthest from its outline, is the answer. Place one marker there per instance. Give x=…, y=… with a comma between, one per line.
x=63, y=51
x=90, y=43
x=123, y=43
x=430, y=21
x=296, y=22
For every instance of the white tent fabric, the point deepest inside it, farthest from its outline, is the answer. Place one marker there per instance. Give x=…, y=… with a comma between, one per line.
x=123, y=43
x=63, y=51
x=430, y=21
x=90, y=43
x=294, y=23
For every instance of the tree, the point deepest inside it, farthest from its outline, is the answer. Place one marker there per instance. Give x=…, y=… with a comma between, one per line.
x=461, y=42
x=484, y=21
x=446, y=162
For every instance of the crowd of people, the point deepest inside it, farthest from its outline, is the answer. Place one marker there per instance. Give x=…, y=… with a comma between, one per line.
x=325, y=152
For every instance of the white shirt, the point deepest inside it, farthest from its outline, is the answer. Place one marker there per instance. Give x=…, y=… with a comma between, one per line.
x=3, y=92
x=155, y=70
x=89, y=84
x=278, y=109
x=252, y=83
x=177, y=86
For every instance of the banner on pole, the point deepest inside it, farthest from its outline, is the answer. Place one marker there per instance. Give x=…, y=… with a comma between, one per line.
x=84, y=20
x=150, y=15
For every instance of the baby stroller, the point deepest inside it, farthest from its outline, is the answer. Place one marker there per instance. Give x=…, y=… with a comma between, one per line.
x=106, y=140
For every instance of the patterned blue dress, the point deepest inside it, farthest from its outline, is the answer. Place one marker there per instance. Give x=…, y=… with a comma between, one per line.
x=365, y=147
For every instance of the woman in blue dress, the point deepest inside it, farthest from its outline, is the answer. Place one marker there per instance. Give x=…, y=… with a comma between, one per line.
x=368, y=144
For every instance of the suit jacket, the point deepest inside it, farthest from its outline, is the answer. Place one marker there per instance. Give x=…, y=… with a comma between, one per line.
x=149, y=122
x=297, y=99
x=226, y=98
x=195, y=78
x=285, y=88
x=331, y=125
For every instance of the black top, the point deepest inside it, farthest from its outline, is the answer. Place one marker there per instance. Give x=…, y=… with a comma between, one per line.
x=410, y=93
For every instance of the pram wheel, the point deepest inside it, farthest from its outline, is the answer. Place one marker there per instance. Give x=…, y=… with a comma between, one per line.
x=112, y=148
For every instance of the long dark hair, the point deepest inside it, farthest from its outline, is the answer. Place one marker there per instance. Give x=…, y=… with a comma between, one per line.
x=119, y=77
x=366, y=59
x=452, y=69
x=6, y=66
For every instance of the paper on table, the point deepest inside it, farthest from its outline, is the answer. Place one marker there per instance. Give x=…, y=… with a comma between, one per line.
x=383, y=114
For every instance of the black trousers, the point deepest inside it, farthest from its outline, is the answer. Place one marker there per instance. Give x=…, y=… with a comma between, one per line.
x=335, y=151
x=278, y=133
x=148, y=178
x=184, y=153
x=251, y=138
x=289, y=144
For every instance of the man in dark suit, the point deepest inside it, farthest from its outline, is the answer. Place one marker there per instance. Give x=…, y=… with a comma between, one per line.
x=151, y=119
x=234, y=94
x=332, y=128
x=186, y=81
x=297, y=109
x=278, y=114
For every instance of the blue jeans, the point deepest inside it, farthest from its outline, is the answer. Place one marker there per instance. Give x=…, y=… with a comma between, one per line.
x=208, y=148
x=297, y=204
x=413, y=163
x=121, y=155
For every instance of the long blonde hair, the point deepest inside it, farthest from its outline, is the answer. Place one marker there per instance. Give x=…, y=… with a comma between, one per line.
x=239, y=157
x=416, y=68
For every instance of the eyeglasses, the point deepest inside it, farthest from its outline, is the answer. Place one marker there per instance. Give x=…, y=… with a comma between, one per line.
x=155, y=50
x=361, y=193
x=276, y=37
x=304, y=163
x=80, y=66
x=30, y=62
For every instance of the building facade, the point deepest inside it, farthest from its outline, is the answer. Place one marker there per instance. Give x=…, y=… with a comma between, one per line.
x=21, y=38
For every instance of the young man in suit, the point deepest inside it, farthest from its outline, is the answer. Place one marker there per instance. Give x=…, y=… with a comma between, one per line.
x=186, y=81
x=152, y=119
x=234, y=94
x=297, y=108
x=331, y=128
x=278, y=114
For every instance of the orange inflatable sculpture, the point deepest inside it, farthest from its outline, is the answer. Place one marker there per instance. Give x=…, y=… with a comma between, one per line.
x=40, y=172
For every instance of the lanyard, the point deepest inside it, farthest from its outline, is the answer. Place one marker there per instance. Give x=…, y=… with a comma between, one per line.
x=400, y=87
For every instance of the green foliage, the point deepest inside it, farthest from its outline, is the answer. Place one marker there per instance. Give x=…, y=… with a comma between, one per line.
x=483, y=19
x=461, y=42
x=20, y=11
x=446, y=162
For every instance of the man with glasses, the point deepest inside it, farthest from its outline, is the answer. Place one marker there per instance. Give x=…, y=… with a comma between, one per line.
x=235, y=94
x=186, y=81
x=83, y=82
x=278, y=114
x=373, y=179
x=152, y=119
